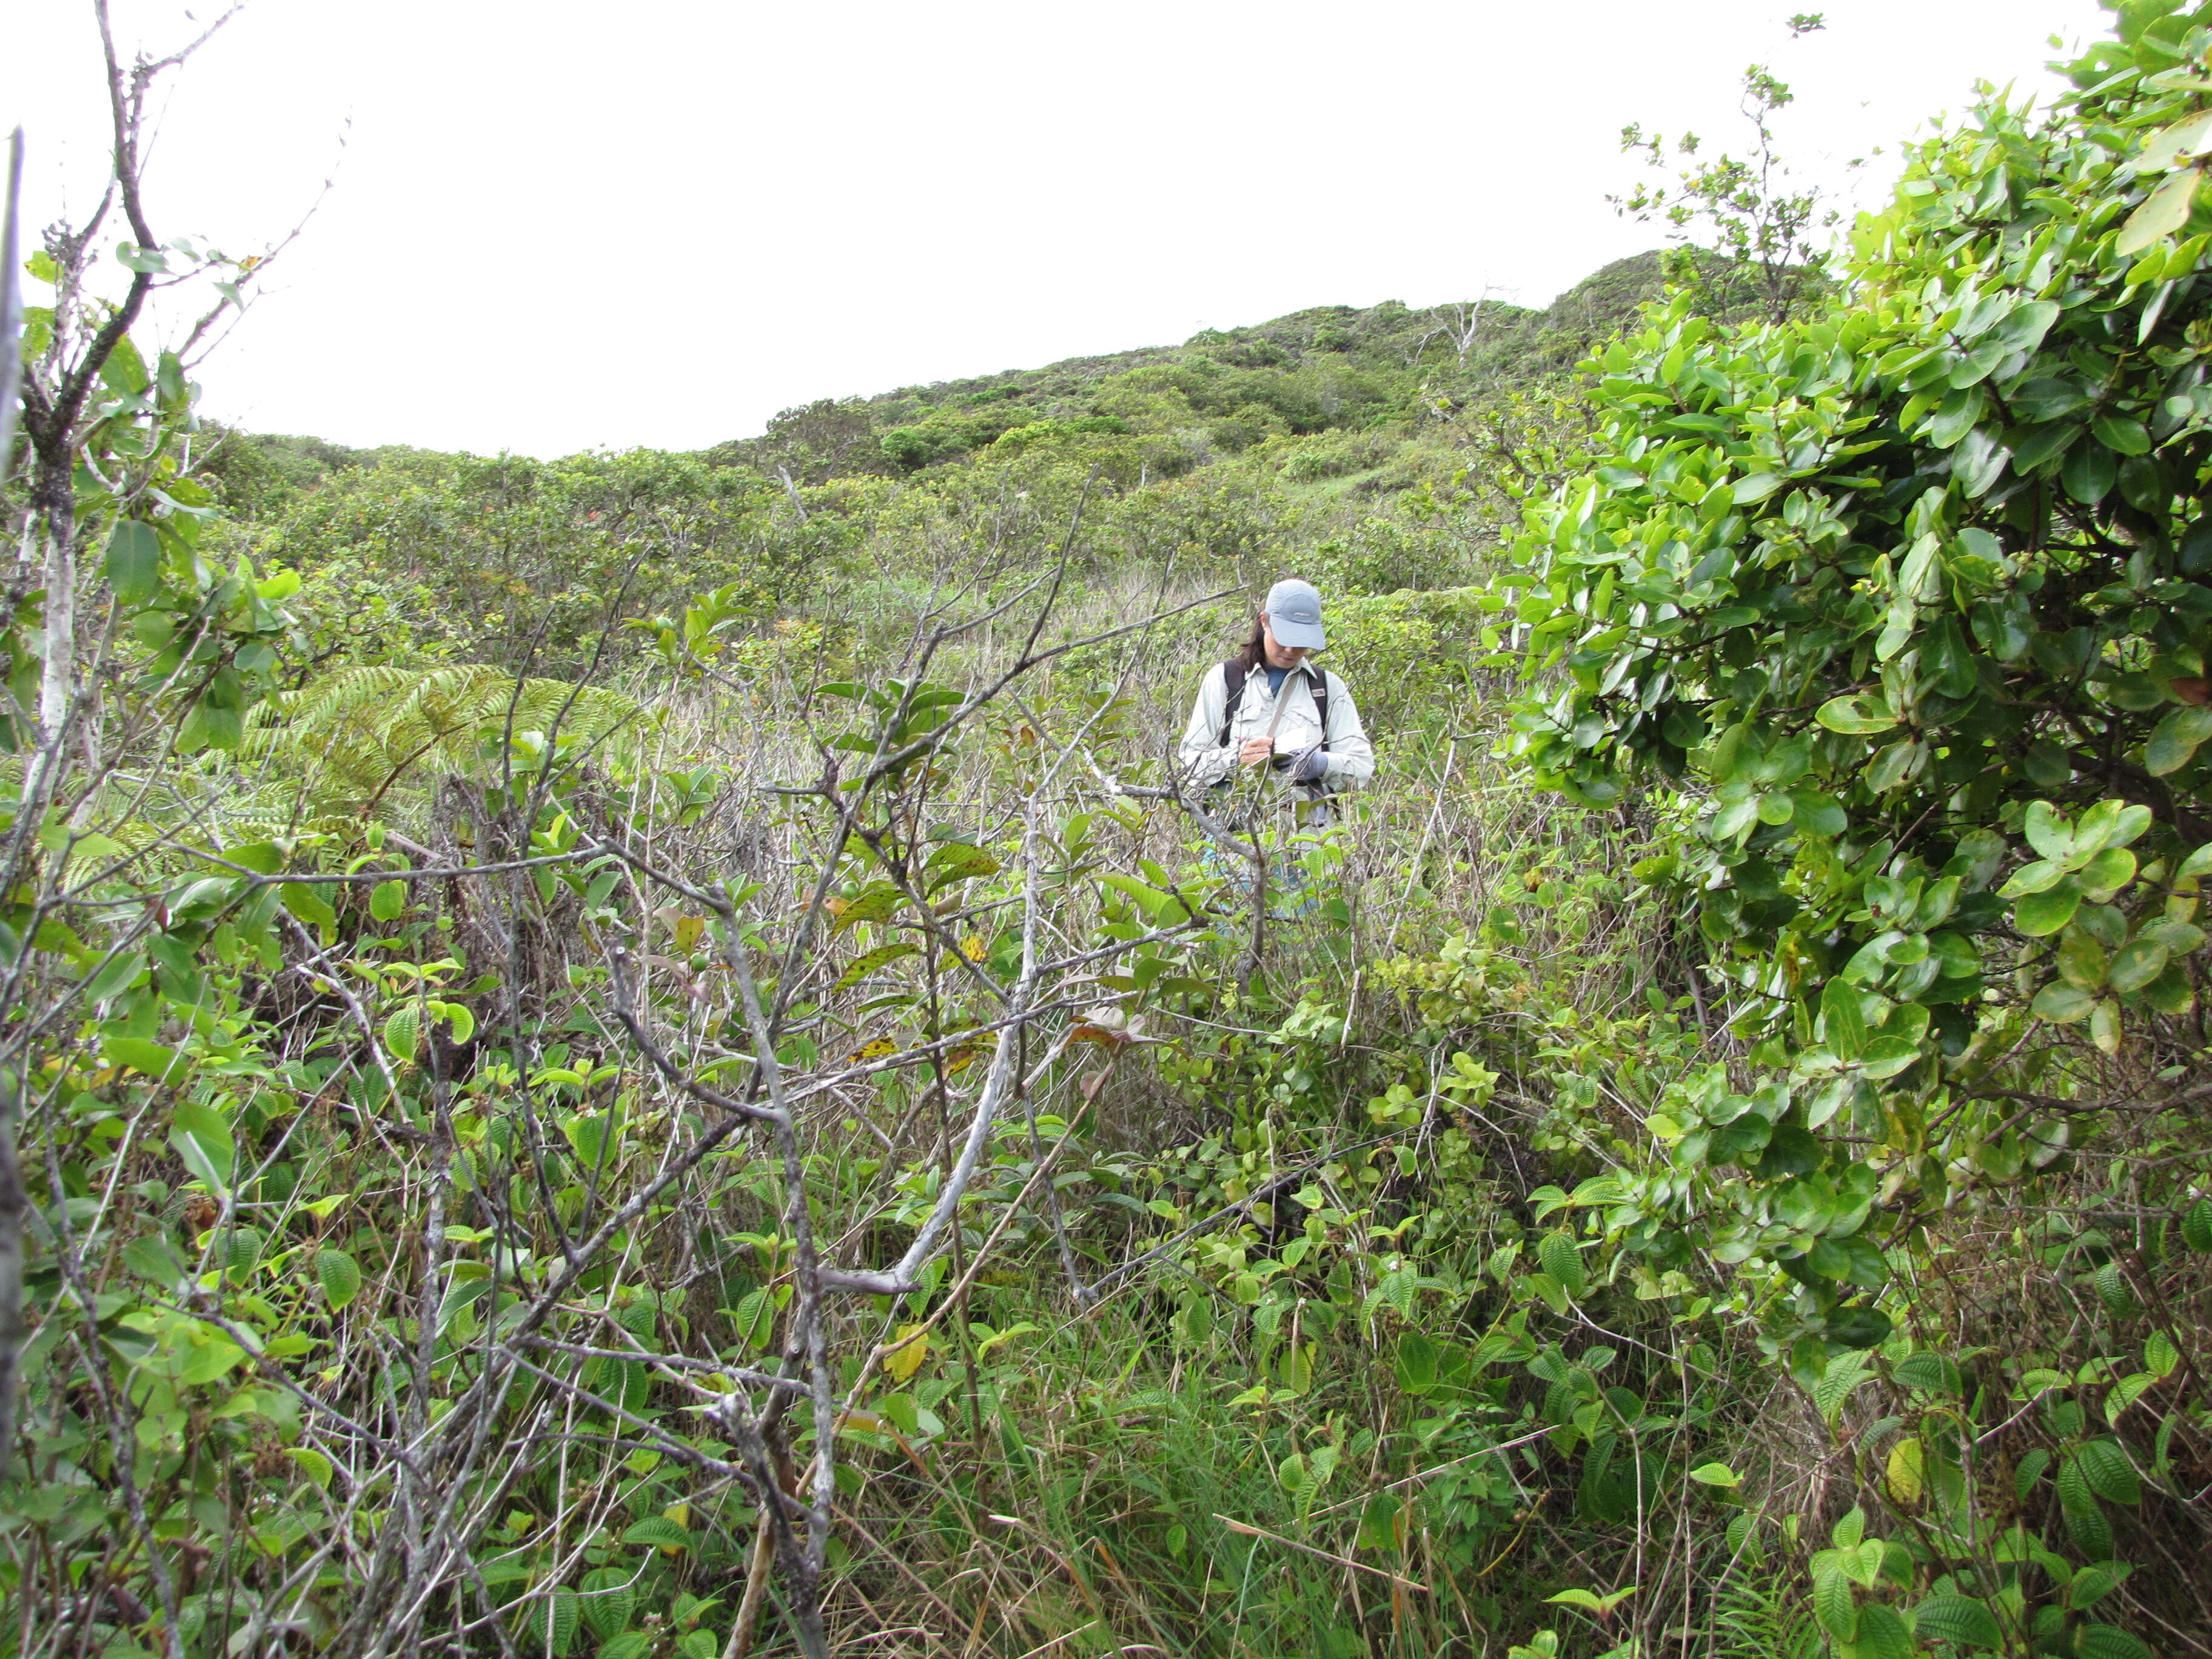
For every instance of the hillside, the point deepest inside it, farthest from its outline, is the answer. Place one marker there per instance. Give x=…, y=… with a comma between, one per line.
x=673, y=1056
x=1331, y=369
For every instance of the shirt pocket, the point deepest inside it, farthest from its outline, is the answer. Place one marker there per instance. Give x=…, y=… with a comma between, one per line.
x=1299, y=731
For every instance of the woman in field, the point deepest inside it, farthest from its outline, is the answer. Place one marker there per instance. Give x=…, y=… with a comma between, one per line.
x=1272, y=705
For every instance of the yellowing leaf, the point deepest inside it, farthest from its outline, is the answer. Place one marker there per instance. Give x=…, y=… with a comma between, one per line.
x=1903, y=1471
x=905, y=1359
x=881, y=957
x=872, y=905
x=2183, y=139
x=2163, y=212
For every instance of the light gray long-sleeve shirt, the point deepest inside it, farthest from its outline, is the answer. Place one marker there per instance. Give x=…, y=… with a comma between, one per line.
x=1207, y=760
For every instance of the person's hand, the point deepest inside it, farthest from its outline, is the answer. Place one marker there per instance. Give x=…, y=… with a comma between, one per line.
x=1313, y=767
x=1254, y=751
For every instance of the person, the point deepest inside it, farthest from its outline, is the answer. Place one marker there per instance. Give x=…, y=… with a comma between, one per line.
x=1270, y=704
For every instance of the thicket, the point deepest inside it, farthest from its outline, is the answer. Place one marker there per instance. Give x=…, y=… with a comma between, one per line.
x=641, y=1054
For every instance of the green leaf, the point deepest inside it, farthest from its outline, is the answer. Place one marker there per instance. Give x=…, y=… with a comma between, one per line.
x=2109, y=871
x=2037, y=878
x=303, y=902
x=1716, y=1475
x=608, y=1600
x=2175, y=740
x=264, y=858
x=1590, y=1601
x=2109, y=1473
x=553, y=1622
x=203, y=1139
x=881, y=957
x=1835, y=1605
x=2092, y=1585
x=2108, y=1642
x=316, y=1468
x=658, y=1532
x=403, y=1033
x=1859, y=1327
x=134, y=561
x=1564, y=1263
x=124, y=370
x=1843, y=1022
x=1886, y=1057
x=1882, y=1634
x=2110, y=824
x=956, y=861
x=755, y=1319
x=162, y=1063
x=1417, y=1356
x=153, y=1257
x=2136, y=964
x=1855, y=715
x=2062, y=1004
x=387, y=899
x=2042, y=914
x=2196, y=1225
x=2088, y=472
x=1958, y=1619
x=340, y=1276
x=209, y=1360
x=1820, y=814
x=2104, y=1025
x=1149, y=900
x=1930, y=1373
x=2048, y=830
x=2121, y=434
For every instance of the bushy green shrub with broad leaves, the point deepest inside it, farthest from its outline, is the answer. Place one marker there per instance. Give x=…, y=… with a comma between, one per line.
x=1918, y=593
x=1908, y=601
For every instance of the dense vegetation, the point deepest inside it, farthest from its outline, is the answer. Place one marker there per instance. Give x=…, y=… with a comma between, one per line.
x=642, y=1056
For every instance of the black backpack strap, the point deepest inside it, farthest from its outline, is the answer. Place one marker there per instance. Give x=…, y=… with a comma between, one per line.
x=1318, y=679
x=1232, y=683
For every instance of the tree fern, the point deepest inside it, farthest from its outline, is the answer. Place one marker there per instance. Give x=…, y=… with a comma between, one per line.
x=363, y=729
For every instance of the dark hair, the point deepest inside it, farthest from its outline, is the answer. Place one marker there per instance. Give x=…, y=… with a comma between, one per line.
x=1254, y=656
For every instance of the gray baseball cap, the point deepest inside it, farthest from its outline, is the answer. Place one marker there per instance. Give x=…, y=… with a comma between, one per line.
x=1293, y=610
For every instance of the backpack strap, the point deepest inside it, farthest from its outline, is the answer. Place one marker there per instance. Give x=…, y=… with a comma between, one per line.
x=1232, y=682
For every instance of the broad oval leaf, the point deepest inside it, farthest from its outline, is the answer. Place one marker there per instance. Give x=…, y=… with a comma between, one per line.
x=1958, y=1619
x=340, y=1276
x=2042, y=914
x=203, y=1139
x=2163, y=211
x=387, y=899
x=134, y=561
x=1855, y=715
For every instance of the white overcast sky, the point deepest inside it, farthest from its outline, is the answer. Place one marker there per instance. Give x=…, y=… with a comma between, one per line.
x=557, y=226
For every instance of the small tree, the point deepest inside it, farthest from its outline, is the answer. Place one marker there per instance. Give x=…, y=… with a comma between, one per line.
x=107, y=437
x=1765, y=256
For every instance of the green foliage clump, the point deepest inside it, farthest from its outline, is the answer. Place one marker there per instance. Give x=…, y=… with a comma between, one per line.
x=1907, y=602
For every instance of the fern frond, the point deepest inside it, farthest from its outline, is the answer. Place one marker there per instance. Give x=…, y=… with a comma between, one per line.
x=363, y=729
